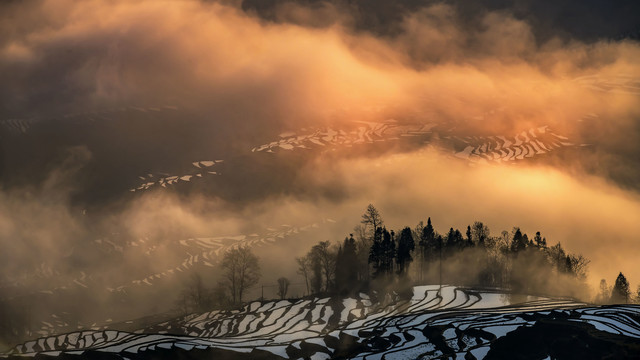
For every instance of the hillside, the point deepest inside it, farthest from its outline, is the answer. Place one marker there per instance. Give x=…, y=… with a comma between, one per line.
x=450, y=322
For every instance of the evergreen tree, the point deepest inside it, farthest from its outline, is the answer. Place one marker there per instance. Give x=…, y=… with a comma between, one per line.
x=405, y=246
x=347, y=266
x=518, y=242
x=388, y=252
x=427, y=242
x=621, y=291
x=459, y=240
x=375, y=253
x=451, y=239
x=469, y=238
x=539, y=241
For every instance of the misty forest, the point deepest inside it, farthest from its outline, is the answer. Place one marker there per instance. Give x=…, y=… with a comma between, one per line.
x=320, y=179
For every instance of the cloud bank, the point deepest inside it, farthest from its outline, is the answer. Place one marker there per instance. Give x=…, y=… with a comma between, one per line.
x=240, y=77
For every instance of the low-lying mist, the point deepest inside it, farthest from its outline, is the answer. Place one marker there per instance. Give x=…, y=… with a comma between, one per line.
x=247, y=78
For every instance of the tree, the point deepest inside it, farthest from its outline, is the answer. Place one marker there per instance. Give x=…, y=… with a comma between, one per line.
x=405, y=246
x=375, y=252
x=518, y=242
x=480, y=233
x=240, y=271
x=196, y=296
x=371, y=219
x=621, y=291
x=283, y=287
x=346, y=274
x=577, y=265
x=388, y=251
x=558, y=258
x=323, y=258
x=427, y=240
x=428, y=246
x=304, y=269
x=604, y=296
x=382, y=253
x=316, y=278
x=540, y=241
x=469, y=240
x=454, y=240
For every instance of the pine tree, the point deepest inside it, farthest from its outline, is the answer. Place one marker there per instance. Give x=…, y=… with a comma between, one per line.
x=539, y=241
x=388, y=252
x=519, y=242
x=405, y=246
x=347, y=266
x=376, y=253
x=469, y=238
x=451, y=239
x=621, y=291
x=459, y=241
x=427, y=242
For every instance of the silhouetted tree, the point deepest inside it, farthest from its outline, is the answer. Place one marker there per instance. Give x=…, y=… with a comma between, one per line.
x=621, y=290
x=196, y=296
x=375, y=253
x=240, y=271
x=316, y=277
x=540, y=241
x=406, y=245
x=371, y=219
x=382, y=253
x=480, y=233
x=518, y=242
x=347, y=266
x=363, y=245
x=428, y=246
x=304, y=269
x=388, y=251
x=283, y=287
x=605, y=292
x=577, y=266
x=469, y=239
x=321, y=254
x=451, y=239
x=455, y=242
x=558, y=258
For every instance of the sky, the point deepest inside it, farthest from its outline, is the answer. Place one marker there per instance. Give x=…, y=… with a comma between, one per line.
x=96, y=94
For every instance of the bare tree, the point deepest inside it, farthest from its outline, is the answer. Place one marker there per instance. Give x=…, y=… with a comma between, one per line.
x=372, y=219
x=241, y=271
x=283, y=287
x=578, y=265
x=480, y=233
x=304, y=269
x=198, y=296
x=322, y=254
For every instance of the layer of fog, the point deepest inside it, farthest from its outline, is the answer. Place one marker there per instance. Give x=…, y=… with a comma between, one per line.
x=244, y=74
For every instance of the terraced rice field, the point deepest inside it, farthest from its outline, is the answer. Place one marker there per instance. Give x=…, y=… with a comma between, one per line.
x=435, y=322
